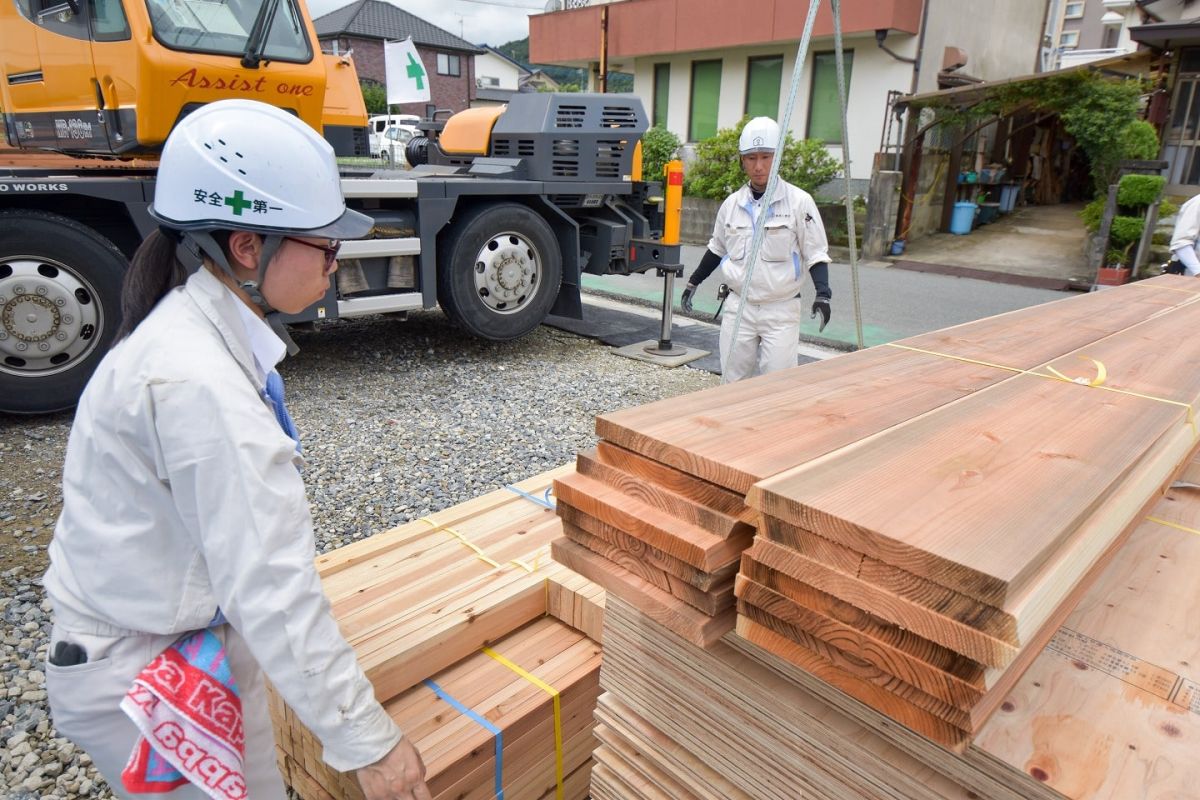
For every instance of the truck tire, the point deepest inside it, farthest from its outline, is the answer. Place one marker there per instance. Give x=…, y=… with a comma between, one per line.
x=60, y=300
x=501, y=271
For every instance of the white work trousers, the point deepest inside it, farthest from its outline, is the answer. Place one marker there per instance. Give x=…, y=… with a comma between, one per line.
x=85, y=705
x=768, y=337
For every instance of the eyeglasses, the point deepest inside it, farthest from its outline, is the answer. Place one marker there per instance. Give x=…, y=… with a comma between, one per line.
x=331, y=252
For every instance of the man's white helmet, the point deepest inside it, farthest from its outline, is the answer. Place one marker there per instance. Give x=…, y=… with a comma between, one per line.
x=761, y=135
x=246, y=165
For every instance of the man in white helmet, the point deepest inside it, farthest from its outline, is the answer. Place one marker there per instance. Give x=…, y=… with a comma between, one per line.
x=181, y=568
x=793, y=243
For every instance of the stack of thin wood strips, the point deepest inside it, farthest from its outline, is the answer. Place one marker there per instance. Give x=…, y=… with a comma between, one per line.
x=481, y=648
x=657, y=513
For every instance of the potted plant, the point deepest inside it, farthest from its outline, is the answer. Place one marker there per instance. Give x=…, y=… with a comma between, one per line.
x=1116, y=267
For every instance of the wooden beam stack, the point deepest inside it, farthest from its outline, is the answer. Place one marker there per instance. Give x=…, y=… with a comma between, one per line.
x=477, y=644
x=657, y=513
x=912, y=568
x=929, y=514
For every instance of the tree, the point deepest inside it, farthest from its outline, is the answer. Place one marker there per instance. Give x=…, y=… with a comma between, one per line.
x=374, y=96
x=717, y=170
x=658, y=147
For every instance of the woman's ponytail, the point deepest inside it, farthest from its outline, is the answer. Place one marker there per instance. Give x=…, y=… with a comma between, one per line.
x=154, y=271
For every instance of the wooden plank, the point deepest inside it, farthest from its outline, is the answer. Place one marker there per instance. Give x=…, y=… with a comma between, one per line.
x=968, y=676
x=712, y=520
x=365, y=549
x=1060, y=447
x=712, y=602
x=681, y=483
x=729, y=435
x=902, y=701
x=693, y=625
x=1062, y=455
x=905, y=662
x=651, y=555
x=956, y=636
x=673, y=536
x=945, y=602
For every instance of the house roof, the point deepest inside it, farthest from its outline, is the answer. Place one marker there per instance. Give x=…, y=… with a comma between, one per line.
x=960, y=96
x=374, y=19
x=524, y=69
x=1166, y=35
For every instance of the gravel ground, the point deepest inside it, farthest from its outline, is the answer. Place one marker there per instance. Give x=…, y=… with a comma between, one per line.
x=398, y=420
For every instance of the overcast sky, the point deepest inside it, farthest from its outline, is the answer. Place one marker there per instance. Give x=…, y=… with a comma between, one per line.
x=491, y=22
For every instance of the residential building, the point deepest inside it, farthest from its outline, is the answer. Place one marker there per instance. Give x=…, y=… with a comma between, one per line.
x=497, y=77
x=1175, y=34
x=363, y=26
x=700, y=65
x=539, y=81
x=1082, y=31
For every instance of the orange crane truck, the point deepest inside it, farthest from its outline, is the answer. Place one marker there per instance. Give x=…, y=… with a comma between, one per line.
x=505, y=209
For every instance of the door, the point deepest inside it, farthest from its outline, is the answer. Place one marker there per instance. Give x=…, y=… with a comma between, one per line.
x=71, y=120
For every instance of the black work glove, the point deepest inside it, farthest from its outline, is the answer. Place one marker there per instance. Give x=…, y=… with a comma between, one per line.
x=821, y=306
x=689, y=291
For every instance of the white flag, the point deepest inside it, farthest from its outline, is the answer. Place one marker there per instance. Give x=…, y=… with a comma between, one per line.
x=407, y=80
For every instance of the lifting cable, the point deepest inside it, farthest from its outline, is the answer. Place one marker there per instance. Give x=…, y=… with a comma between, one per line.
x=773, y=178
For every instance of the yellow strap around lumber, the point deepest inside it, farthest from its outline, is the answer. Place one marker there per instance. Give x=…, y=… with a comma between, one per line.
x=558, y=737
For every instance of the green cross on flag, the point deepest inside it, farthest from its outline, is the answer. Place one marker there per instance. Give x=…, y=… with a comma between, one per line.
x=405, y=74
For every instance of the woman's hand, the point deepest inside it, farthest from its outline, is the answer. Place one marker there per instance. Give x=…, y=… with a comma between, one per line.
x=400, y=775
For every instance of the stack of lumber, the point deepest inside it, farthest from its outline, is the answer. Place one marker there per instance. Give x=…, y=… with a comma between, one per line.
x=657, y=513
x=1108, y=710
x=911, y=569
x=480, y=647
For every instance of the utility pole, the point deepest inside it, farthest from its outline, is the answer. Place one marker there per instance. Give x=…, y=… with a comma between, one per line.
x=603, y=78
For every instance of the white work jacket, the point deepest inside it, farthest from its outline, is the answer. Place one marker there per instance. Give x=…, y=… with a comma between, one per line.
x=181, y=496
x=1185, y=239
x=794, y=240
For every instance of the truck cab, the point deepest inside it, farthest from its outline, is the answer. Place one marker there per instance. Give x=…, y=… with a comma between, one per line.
x=80, y=72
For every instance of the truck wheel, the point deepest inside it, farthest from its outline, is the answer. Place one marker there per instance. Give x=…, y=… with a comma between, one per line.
x=501, y=273
x=60, y=299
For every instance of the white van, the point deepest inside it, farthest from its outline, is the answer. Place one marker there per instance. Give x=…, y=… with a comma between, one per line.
x=376, y=125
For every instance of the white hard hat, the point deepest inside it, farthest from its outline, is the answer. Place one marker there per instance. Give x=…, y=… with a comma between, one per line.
x=246, y=165
x=761, y=135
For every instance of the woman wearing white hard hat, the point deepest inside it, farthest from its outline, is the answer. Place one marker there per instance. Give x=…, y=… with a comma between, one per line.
x=181, y=568
x=793, y=243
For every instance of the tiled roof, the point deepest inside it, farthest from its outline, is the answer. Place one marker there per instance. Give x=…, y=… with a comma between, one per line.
x=374, y=19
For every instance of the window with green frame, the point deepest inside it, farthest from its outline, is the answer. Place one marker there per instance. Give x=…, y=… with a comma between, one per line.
x=662, y=93
x=824, y=108
x=763, y=77
x=706, y=98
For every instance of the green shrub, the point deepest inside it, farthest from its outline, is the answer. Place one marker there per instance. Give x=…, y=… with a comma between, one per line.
x=717, y=170
x=658, y=147
x=374, y=97
x=1139, y=190
x=1125, y=230
x=1093, y=213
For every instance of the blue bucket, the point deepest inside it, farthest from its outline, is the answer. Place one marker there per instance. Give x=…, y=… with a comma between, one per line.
x=963, y=218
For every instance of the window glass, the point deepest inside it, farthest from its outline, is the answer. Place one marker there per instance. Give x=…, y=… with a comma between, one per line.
x=1068, y=39
x=763, y=76
x=223, y=26
x=25, y=7
x=825, y=107
x=448, y=65
x=108, y=21
x=706, y=97
x=1073, y=10
x=662, y=93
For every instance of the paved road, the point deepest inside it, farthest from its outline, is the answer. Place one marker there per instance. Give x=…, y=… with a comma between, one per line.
x=895, y=303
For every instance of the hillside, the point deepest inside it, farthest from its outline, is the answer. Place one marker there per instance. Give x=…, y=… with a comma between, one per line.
x=518, y=50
